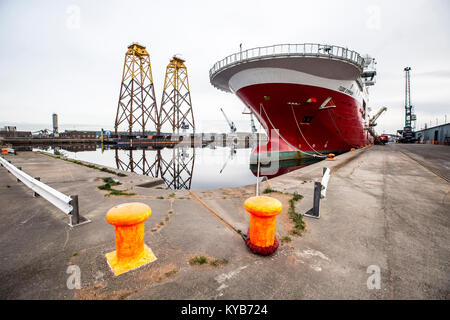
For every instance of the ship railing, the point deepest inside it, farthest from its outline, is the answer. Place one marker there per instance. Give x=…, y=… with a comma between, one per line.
x=305, y=49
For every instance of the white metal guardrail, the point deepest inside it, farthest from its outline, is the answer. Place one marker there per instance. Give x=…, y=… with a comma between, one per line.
x=305, y=49
x=67, y=204
x=324, y=183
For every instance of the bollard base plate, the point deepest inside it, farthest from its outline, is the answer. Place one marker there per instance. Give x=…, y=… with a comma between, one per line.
x=119, y=267
x=264, y=251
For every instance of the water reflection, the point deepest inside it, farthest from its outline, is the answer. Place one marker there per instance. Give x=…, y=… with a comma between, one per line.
x=182, y=167
x=175, y=168
x=285, y=166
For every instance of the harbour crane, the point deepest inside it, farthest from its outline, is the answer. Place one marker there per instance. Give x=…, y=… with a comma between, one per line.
x=254, y=130
x=372, y=121
x=408, y=135
x=252, y=123
x=232, y=153
x=230, y=123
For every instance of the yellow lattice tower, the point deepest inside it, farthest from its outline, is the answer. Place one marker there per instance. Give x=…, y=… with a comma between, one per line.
x=176, y=105
x=137, y=103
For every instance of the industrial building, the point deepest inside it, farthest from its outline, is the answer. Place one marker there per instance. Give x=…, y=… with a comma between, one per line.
x=435, y=135
x=78, y=134
x=11, y=132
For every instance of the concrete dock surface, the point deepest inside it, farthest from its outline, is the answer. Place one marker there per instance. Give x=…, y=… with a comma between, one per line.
x=387, y=207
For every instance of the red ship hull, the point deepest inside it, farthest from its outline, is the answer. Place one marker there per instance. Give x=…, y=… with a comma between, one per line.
x=310, y=98
x=304, y=125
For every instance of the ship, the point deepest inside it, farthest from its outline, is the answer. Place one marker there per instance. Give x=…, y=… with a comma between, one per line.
x=311, y=99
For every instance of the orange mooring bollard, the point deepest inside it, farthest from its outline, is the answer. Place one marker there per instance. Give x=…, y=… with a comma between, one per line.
x=131, y=252
x=4, y=151
x=352, y=149
x=330, y=157
x=261, y=235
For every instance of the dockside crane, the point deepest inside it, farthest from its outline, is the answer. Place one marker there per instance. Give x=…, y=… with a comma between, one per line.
x=372, y=121
x=408, y=135
x=252, y=123
x=230, y=123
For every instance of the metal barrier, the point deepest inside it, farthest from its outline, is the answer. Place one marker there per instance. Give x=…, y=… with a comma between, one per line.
x=304, y=49
x=320, y=192
x=67, y=204
x=324, y=183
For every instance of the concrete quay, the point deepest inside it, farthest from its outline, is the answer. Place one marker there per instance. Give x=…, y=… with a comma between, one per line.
x=386, y=206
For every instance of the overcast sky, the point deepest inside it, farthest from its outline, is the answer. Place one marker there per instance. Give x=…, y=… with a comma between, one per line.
x=67, y=56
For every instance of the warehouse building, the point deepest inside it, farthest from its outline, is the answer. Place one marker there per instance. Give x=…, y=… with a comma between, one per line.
x=435, y=135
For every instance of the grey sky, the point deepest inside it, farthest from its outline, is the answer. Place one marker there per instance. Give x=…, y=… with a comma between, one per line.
x=50, y=64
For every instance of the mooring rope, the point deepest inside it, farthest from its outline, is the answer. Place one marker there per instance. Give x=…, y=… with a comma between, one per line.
x=339, y=131
x=279, y=134
x=296, y=122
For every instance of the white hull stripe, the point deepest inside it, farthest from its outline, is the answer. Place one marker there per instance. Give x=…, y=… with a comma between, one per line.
x=254, y=76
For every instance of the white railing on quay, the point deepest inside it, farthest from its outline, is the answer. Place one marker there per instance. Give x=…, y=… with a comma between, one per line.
x=320, y=192
x=324, y=183
x=67, y=204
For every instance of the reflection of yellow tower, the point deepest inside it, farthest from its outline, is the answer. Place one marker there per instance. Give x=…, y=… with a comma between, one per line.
x=176, y=105
x=137, y=103
x=175, y=169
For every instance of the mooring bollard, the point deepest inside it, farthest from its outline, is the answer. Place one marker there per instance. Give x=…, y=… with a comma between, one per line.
x=261, y=236
x=352, y=149
x=330, y=157
x=131, y=252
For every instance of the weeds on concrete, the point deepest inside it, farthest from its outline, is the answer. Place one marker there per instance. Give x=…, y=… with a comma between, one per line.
x=296, y=217
x=109, y=183
x=170, y=273
x=172, y=195
x=120, y=174
x=286, y=239
x=269, y=190
x=160, y=197
x=218, y=262
x=198, y=260
x=115, y=192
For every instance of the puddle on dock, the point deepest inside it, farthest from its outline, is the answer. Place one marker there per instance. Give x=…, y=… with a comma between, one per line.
x=181, y=167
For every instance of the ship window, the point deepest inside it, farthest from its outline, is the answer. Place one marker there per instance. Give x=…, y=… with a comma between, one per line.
x=307, y=119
